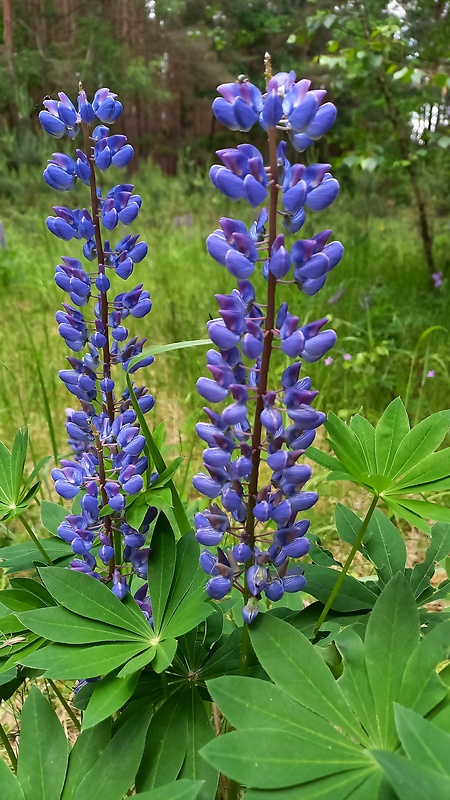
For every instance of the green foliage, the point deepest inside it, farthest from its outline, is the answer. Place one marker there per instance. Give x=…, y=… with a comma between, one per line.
x=306, y=735
x=17, y=493
x=392, y=460
x=93, y=633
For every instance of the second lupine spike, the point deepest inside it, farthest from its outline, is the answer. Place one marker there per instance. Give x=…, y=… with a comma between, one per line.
x=257, y=525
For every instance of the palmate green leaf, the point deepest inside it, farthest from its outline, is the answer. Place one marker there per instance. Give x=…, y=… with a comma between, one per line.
x=33, y=587
x=110, y=694
x=114, y=772
x=181, y=790
x=438, y=549
x=259, y=704
x=35, y=473
x=84, y=754
x=199, y=733
x=390, y=431
x=137, y=663
x=161, y=567
x=6, y=490
x=165, y=744
x=30, y=645
x=433, y=468
x=333, y=787
x=422, y=741
x=24, y=556
x=420, y=442
x=385, y=546
x=17, y=460
x=382, y=542
x=391, y=637
x=92, y=599
x=18, y=457
x=366, y=435
x=354, y=681
x=274, y=763
x=422, y=688
x=20, y=600
x=347, y=446
x=165, y=652
x=295, y=665
x=423, y=508
x=10, y=788
x=223, y=659
x=193, y=609
x=188, y=574
x=52, y=514
x=66, y=662
x=325, y=460
x=59, y=625
x=412, y=781
x=352, y=596
x=415, y=520
x=43, y=751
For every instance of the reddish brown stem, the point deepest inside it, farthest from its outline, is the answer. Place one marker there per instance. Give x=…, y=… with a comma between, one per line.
x=106, y=350
x=267, y=351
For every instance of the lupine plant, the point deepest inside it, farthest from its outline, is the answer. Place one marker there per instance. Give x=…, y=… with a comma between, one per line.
x=172, y=692
x=283, y=421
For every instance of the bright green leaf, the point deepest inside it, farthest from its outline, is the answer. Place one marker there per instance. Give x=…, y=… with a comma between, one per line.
x=43, y=751
x=110, y=694
x=295, y=665
x=391, y=637
x=391, y=429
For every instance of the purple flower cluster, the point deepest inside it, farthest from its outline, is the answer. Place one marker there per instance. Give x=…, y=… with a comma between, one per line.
x=255, y=441
x=109, y=466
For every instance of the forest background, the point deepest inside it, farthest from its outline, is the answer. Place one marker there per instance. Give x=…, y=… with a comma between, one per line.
x=386, y=66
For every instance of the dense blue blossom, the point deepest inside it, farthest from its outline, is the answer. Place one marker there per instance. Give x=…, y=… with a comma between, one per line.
x=259, y=531
x=109, y=463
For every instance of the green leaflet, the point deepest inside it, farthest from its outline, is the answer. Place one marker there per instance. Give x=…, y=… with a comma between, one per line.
x=41, y=770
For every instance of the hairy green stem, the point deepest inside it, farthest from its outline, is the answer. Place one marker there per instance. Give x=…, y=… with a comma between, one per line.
x=64, y=703
x=35, y=539
x=346, y=567
x=8, y=747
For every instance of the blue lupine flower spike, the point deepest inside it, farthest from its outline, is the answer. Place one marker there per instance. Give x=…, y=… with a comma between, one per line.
x=109, y=464
x=258, y=522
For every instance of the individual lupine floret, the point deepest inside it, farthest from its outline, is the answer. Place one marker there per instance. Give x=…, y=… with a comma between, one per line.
x=243, y=174
x=112, y=150
x=313, y=259
x=67, y=224
x=71, y=277
x=120, y=205
x=239, y=106
x=126, y=253
x=60, y=117
x=106, y=107
x=233, y=247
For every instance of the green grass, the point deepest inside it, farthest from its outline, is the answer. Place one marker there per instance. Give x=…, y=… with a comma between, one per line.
x=386, y=303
